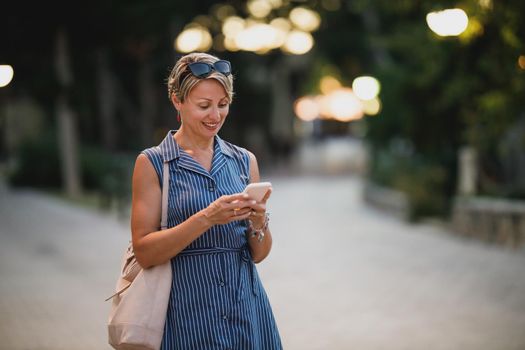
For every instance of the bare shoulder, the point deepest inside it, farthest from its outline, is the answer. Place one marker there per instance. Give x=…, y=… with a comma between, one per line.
x=253, y=159
x=146, y=198
x=254, y=168
x=144, y=174
x=142, y=163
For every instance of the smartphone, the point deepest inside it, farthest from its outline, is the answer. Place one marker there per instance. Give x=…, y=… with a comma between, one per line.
x=257, y=190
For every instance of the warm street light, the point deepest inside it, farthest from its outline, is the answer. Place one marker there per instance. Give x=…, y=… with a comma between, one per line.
x=265, y=29
x=305, y=19
x=232, y=26
x=298, y=42
x=194, y=39
x=342, y=105
x=259, y=8
x=328, y=84
x=6, y=74
x=372, y=107
x=365, y=87
x=281, y=27
x=306, y=108
x=259, y=37
x=450, y=22
x=521, y=62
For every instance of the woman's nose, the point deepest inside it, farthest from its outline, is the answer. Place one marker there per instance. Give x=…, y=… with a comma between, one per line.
x=215, y=112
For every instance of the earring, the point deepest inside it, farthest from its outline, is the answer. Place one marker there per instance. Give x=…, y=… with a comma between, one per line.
x=178, y=116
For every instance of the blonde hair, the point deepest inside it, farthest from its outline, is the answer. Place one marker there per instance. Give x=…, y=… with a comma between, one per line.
x=181, y=89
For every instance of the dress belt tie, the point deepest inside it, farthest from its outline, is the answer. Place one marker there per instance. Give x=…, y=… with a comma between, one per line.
x=247, y=263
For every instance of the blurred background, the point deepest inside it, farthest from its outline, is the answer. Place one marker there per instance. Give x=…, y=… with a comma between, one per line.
x=393, y=132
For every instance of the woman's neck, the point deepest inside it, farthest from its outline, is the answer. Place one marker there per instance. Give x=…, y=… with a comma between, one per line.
x=193, y=143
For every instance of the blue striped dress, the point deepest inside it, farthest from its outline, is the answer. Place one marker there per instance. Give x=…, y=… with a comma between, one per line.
x=217, y=300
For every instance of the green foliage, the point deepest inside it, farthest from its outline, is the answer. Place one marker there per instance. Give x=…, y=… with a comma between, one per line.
x=442, y=93
x=37, y=165
x=106, y=172
x=438, y=94
x=423, y=181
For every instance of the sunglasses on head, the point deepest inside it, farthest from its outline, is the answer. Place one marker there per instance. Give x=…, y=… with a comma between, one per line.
x=202, y=70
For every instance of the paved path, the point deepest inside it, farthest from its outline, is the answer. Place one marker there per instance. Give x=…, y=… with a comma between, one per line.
x=341, y=276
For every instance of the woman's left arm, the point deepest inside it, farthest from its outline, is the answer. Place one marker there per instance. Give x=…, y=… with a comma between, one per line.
x=259, y=248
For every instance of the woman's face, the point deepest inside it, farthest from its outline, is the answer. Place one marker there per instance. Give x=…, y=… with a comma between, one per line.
x=205, y=109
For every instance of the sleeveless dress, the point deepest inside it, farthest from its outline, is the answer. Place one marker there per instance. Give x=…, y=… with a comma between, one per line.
x=217, y=300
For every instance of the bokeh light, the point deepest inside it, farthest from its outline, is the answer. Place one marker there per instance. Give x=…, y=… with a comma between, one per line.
x=485, y=4
x=281, y=28
x=450, y=22
x=328, y=84
x=366, y=87
x=306, y=108
x=521, y=62
x=229, y=44
x=474, y=29
x=298, y=42
x=195, y=38
x=305, y=19
x=372, y=107
x=281, y=23
x=6, y=74
x=276, y=3
x=232, y=26
x=263, y=30
x=259, y=8
x=258, y=37
x=342, y=105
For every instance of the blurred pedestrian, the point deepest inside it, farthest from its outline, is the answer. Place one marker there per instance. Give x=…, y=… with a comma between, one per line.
x=215, y=232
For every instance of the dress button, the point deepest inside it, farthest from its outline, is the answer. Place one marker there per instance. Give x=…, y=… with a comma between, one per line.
x=221, y=283
x=211, y=187
x=224, y=317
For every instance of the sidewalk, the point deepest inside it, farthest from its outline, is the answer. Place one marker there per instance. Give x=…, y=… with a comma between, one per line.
x=341, y=275
x=58, y=263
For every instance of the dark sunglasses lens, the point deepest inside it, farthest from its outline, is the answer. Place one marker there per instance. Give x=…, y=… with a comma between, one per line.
x=200, y=70
x=223, y=67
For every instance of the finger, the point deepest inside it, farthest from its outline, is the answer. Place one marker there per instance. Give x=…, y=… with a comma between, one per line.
x=259, y=207
x=234, y=197
x=240, y=216
x=267, y=195
x=240, y=204
x=240, y=211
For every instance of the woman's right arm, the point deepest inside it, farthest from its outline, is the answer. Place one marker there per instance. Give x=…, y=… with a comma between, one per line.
x=153, y=246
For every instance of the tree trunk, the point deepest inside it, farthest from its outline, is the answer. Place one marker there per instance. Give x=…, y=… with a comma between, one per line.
x=281, y=120
x=66, y=120
x=107, y=101
x=147, y=102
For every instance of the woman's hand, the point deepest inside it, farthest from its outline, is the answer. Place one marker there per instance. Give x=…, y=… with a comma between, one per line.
x=258, y=212
x=229, y=208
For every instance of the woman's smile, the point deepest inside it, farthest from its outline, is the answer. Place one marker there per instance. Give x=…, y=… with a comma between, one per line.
x=211, y=126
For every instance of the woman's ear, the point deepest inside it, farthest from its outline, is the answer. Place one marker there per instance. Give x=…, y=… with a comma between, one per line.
x=176, y=102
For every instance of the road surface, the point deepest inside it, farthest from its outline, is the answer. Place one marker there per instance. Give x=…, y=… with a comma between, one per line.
x=341, y=275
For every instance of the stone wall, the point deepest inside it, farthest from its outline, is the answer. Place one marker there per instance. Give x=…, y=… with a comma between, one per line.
x=491, y=219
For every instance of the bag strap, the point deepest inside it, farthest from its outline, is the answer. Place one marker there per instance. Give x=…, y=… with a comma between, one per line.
x=165, y=191
x=164, y=214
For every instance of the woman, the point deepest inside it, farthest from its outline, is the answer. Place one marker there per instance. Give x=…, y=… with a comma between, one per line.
x=215, y=232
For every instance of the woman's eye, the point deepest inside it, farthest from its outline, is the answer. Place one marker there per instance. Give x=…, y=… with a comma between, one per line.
x=203, y=106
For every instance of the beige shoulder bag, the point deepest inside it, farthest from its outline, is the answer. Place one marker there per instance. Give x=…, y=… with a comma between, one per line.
x=139, y=306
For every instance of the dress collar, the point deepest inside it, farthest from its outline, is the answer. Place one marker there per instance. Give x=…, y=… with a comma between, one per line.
x=171, y=150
